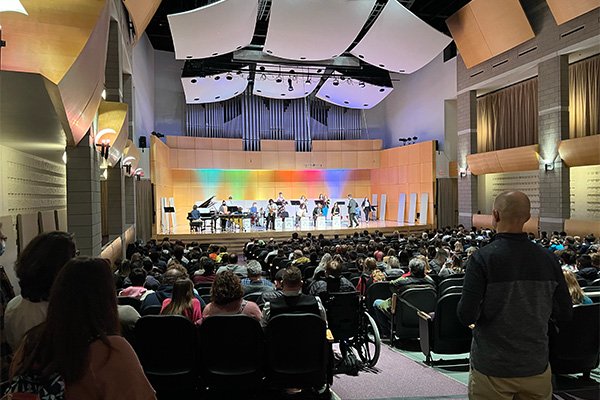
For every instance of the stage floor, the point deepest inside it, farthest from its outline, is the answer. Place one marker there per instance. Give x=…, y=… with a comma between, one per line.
x=371, y=225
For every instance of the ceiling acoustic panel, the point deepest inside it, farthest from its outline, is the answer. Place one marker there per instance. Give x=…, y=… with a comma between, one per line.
x=213, y=88
x=399, y=41
x=352, y=93
x=215, y=29
x=286, y=82
x=296, y=26
x=486, y=28
x=564, y=11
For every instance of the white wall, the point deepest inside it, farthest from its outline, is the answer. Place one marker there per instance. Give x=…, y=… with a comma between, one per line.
x=169, y=100
x=143, y=94
x=416, y=105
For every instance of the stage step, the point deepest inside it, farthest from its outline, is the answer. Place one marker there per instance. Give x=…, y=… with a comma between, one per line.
x=235, y=241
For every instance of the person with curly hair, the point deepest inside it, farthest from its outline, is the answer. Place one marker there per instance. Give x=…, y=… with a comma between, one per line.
x=227, y=298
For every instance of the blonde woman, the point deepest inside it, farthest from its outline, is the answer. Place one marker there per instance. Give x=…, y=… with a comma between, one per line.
x=577, y=294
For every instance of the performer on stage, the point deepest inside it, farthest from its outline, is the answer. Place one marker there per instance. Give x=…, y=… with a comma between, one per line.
x=352, y=208
x=223, y=210
x=317, y=212
x=253, y=213
x=326, y=204
x=271, y=212
x=281, y=202
x=366, y=206
x=195, y=213
x=335, y=210
x=302, y=210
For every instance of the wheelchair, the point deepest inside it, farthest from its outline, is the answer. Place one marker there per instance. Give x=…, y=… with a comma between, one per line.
x=352, y=327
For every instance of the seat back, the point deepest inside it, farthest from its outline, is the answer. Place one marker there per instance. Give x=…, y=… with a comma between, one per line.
x=151, y=310
x=225, y=354
x=451, y=289
x=130, y=301
x=378, y=290
x=253, y=297
x=450, y=336
x=159, y=359
x=343, y=312
x=448, y=282
x=574, y=346
x=297, y=351
x=406, y=320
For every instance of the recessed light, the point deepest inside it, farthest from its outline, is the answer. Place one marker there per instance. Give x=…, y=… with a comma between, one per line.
x=239, y=47
x=188, y=56
x=283, y=94
x=236, y=93
x=365, y=105
x=327, y=96
x=382, y=65
x=217, y=78
x=303, y=58
x=319, y=70
x=305, y=92
x=382, y=90
x=346, y=102
x=401, y=70
x=197, y=98
x=193, y=81
x=258, y=91
x=215, y=54
x=269, y=51
x=217, y=97
x=361, y=56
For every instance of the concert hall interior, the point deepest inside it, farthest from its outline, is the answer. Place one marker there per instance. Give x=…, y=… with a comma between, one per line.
x=131, y=124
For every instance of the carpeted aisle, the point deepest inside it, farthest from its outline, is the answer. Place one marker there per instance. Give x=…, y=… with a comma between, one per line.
x=398, y=377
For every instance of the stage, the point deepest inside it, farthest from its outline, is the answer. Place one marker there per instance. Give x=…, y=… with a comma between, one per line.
x=236, y=240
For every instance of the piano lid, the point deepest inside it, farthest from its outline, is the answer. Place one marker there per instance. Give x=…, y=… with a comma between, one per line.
x=207, y=203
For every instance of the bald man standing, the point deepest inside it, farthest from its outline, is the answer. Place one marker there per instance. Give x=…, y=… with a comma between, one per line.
x=512, y=288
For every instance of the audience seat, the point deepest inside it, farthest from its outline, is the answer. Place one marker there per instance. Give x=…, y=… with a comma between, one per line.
x=378, y=290
x=253, y=297
x=448, y=282
x=130, y=301
x=232, y=349
x=150, y=310
x=575, y=344
x=167, y=348
x=441, y=332
x=298, y=353
x=451, y=289
x=405, y=321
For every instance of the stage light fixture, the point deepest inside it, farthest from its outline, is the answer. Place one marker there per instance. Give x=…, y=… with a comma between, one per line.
x=308, y=81
x=290, y=87
x=362, y=85
x=278, y=79
x=336, y=82
x=157, y=134
x=229, y=76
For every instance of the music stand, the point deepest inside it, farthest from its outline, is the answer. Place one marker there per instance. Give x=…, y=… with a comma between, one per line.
x=169, y=210
x=341, y=203
x=321, y=202
x=295, y=202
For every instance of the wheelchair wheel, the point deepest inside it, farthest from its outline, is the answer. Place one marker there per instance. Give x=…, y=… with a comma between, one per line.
x=369, y=344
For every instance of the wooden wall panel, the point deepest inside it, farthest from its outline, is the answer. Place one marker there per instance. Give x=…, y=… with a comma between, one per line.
x=564, y=11
x=581, y=151
x=141, y=12
x=483, y=29
x=517, y=159
x=582, y=227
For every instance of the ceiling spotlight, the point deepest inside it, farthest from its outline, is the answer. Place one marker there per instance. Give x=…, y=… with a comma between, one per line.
x=336, y=82
x=290, y=87
x=362, y=84
x=217, y=77
x=229, y=76
x=263, y=77
x=279, y=80
x=194, y=80
x=308, y=80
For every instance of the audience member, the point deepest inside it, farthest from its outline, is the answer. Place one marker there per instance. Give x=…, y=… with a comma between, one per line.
x=417, y=278
x=165, y=291
x=206, y=273
x=255, y=282
x=577, y=294
x=183, y=302
x=137, y=289
x=370, y=275
x=512, y=285
x=79, y=343
x=37, y=266
x=239, y=270
x=292, y=299
x=227, y=297
x=334, y=282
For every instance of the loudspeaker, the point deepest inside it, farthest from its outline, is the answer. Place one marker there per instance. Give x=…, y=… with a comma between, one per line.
x=142, y=142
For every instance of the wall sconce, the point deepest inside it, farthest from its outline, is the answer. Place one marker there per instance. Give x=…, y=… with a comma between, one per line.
x=462, y=173
x=549, y=167
x=127, y=169
x=104, y=147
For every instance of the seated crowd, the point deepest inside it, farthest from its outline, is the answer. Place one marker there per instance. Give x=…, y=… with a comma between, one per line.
x=66, y=319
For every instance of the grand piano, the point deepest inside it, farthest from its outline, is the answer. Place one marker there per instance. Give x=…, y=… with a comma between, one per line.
x=208, y=213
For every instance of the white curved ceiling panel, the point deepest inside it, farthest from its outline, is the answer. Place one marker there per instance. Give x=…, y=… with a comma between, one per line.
x=285, y=82
x=352, y=93
x=215, y=29
x=314, y=29
x=213, y=88
x=399, y=41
